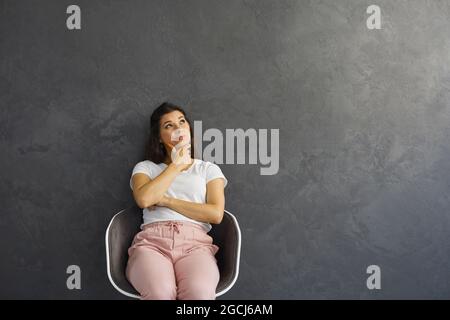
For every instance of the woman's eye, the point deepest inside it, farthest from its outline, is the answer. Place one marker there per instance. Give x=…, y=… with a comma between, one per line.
x=181, y=121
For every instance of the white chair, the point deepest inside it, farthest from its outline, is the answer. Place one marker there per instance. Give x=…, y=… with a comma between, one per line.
x=126, y=223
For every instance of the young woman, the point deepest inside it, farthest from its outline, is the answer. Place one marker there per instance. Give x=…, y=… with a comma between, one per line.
x=173, y=257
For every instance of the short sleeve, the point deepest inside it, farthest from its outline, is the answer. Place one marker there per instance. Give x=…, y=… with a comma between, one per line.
x=141, y=167
x=213, y=171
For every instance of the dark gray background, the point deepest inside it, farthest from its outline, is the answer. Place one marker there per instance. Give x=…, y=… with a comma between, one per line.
x=364, y=121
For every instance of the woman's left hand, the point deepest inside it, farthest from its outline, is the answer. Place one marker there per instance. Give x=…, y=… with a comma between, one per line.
x=163, y=202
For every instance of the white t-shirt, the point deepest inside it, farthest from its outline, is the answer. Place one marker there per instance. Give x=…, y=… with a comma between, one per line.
x=189, y=185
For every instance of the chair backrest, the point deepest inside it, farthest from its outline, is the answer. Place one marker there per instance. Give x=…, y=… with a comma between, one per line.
x=126, y=223
x=119, y=236
x=227, y=235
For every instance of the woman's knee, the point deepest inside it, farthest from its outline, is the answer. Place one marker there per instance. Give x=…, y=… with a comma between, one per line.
x=197, y=290
x=151, y=276
x=152, y=288
x=161, y=291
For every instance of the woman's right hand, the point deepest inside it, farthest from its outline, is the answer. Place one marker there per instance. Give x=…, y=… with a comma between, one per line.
x=181, y=157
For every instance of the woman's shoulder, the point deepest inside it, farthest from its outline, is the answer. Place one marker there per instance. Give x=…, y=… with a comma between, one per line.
x=147, y=163
x=211, y=170
x=203, y=163
x=206, y=165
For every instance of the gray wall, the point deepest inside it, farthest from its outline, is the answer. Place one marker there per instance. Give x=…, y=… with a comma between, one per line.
x=364, y=121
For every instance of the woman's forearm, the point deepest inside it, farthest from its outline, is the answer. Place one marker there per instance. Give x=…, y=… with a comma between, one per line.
x=154, y=190
x=204, y=212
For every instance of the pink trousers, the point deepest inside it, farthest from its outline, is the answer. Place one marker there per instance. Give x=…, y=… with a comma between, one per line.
x=173, y=260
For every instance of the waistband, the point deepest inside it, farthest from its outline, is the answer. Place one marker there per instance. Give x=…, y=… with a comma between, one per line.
x=173, y=223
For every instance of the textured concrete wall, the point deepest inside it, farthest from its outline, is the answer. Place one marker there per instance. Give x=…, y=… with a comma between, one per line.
x=364, y=120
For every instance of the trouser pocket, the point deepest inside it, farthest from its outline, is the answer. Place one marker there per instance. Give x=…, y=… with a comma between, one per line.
x=203, y=241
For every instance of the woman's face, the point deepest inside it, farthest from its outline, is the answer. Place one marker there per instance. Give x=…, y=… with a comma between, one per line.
x=169, y=123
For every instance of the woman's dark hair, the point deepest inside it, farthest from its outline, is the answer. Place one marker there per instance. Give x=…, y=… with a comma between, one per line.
x=156, y=151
